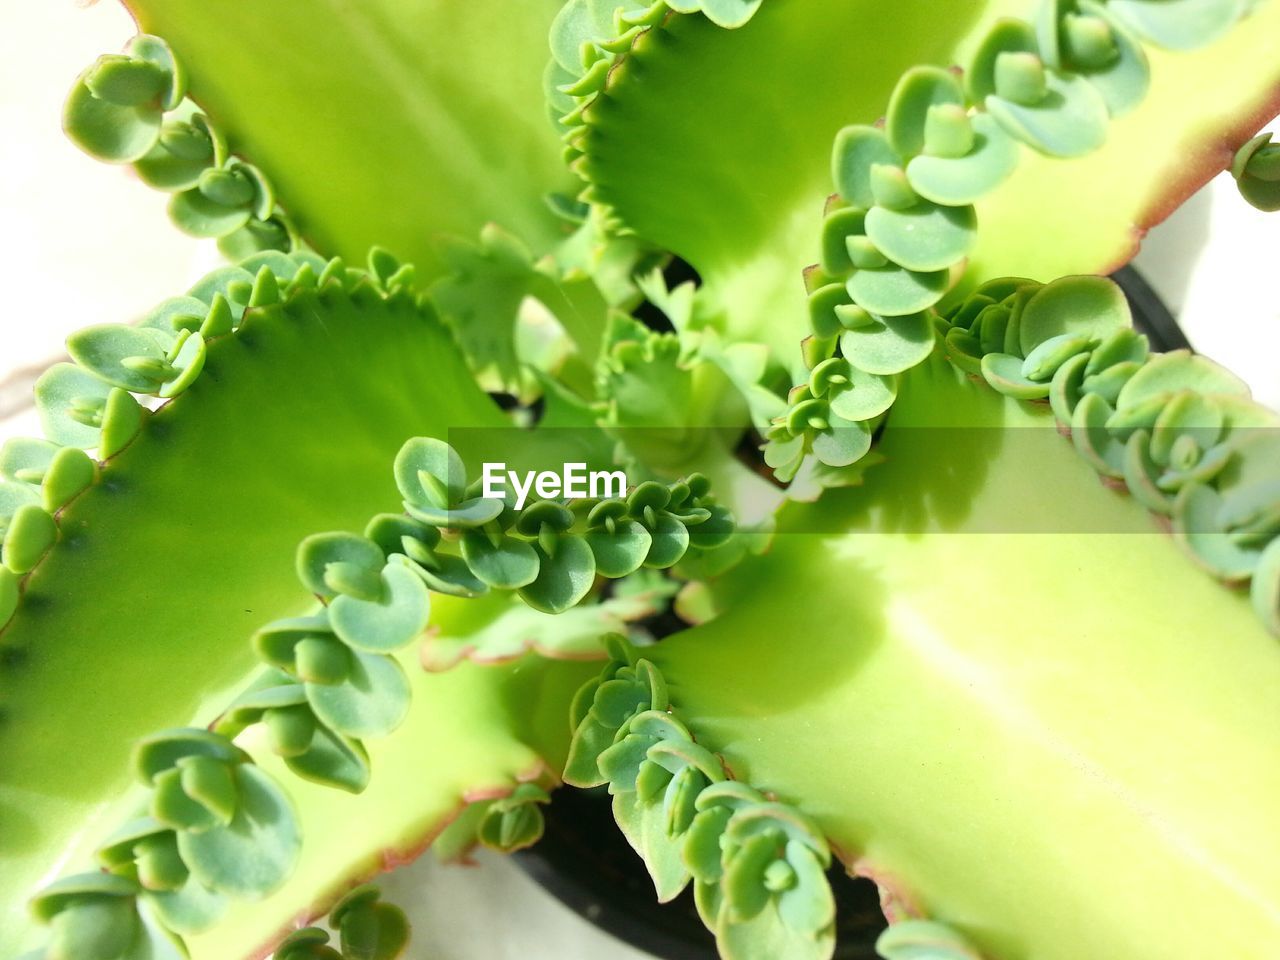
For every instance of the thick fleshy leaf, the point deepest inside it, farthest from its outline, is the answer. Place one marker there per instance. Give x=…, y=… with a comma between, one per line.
x=723, y=13
x=379, y=626
x=101, y=928
x=61, y=393
x=256, y=852
x=669, y=541
x=1179, y=24
x=108, y=131
x=924, y=237
x=114, y=352
x=371, y=702
x=334, y=761
x=843, y=443
x=808, y=906
x=197, y=215
x=1178, y=370
x=956, y=181
x=856, y=151
x=371, y=931
x=430, y=473
x=893, y=291
x=508, y=565
x=1070, y=121
x=890, y=345
x=919, y=89
x=70, y=472
x=866, y=396
x=622, y=551
x=319, y=550
x=189, y=910
x=1084, y=306
x=923, y=940
x=564, y=577
x=30, y=534
x=1125, y=81
x=1195, y=523
x=662, y=853
x=1043, y=362
x=1093, y=440
x=1004, y=372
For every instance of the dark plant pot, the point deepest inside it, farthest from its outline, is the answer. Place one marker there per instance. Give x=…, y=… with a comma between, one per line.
x=584, y=861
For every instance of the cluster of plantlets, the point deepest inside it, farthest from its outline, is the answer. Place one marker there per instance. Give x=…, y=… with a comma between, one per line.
x=870, y=673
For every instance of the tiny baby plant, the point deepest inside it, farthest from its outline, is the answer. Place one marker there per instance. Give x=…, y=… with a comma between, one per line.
x=974, y=593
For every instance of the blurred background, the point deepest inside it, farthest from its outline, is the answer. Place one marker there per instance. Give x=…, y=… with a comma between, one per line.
x=86, y=243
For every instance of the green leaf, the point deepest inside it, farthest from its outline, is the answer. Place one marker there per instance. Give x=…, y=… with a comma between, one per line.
x=198, y=215
x=184, y=150
x=318, y=551
x=28, y=538
x=334, y=761
x=1141, y=474
x=430, y=473
x=919, y=89
x=448, y=574
x=845, y=442
x=70, y=473
x=956, y=181
x=923, y=237
x=1070, y=121
x=434, y=116
x=923, y=940
x=283, y=434
x=1179, y=24
x=1093, y=439
x=723, y=13
x=101, y=928
x=856, y=151
x=255, y=853
x=866, y=396
x=107, y=131
x=13, y=497
x=1196, y=523
x=662, y=853
x=115, y=353
x=190, y=910
x=807, y=906
x=1125, y=81
x=744, y=875
x=371, y=702
x=564, y=577
x=66, y=398
x=26, y=459
x=1083, y=306
x=1004, y=372
x=890, y=344
x=621, y=551
x=1175, y=371
x=894, y=292
x=371, y=930
x=160, y=752
x=508, y=565
x=380, y=626
x=1043, y=362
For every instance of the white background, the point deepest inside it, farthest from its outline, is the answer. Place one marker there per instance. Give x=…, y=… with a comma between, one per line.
x=84, y=243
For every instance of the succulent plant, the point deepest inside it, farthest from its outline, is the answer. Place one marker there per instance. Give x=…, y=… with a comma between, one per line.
x=977, y=595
